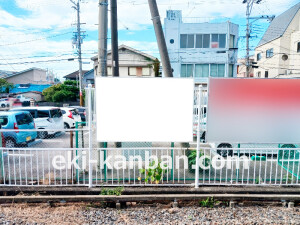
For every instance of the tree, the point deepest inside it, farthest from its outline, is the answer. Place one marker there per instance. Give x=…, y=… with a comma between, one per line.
x=5, y=87
x=156, y=65
x=67, y=91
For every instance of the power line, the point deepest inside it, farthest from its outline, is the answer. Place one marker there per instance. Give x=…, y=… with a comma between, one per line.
x=38, y=39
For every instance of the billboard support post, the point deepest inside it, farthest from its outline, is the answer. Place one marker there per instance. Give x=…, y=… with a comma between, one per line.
x=198, y=139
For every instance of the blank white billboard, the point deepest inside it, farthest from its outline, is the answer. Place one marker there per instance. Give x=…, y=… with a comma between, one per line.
x=144, y=109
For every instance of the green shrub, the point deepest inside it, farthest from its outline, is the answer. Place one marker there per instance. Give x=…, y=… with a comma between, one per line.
x=115, y=191
x=192, y=155
x=153, y=175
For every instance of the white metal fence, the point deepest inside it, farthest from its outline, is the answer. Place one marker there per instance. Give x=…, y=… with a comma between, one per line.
x=72, y=157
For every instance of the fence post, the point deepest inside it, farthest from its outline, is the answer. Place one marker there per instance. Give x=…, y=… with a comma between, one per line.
x=90, y=136
x=198, y=139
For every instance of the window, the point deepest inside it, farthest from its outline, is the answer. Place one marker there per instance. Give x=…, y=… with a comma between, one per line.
x=183, y=40
x=187, y=70
x=269, y=53
x=298, y=47
x=132, y=71
x=218, y=40
x=217, y=70
x=258, y=74
x=187, y=41
x=24, y=118
x=55, y=113
x=43, y=114
x=258, y=56
x=206, y=40
x=230, y=70
x=266, y=74
x=146, y=71
x=222, y=40
x=214, y=41
x=172, y=41
x=231, y=41
x=3, y=120
x=201, y=70
x=190, y=43
x=32, y=112
x=199, y=41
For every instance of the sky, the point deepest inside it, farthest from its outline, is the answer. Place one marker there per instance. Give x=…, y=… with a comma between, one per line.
x=38, y=33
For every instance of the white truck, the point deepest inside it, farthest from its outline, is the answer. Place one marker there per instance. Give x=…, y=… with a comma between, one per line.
x=22, y=98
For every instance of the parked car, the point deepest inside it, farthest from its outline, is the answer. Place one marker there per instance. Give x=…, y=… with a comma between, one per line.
x=4, y=103
x=16, y=121
x=45, y=118
x=70, y=117
x=81, y=111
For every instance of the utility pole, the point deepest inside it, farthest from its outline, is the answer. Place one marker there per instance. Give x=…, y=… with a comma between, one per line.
x=114, y=38
x=248, y=30
x=248, y=12
x=166, y=65
x=78, y=45
x=102, y=41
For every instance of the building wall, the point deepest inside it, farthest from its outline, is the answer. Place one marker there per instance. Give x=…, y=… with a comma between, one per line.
x=270, y=64
x=40, y=77
x=279, y=66
x=32, y=76
x=174, y=26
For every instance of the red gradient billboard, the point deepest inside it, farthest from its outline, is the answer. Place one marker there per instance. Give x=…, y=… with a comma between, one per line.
x=253, y=110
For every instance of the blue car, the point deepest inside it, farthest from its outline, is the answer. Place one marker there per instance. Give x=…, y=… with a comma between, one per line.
x=16, y=121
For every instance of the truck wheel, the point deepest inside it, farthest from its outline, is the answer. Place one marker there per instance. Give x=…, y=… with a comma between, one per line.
x=224, y=152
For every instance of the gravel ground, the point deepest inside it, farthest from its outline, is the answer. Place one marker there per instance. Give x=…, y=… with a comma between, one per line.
x=159, y=214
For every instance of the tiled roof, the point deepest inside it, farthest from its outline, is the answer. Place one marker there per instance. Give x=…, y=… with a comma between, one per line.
x=11, y=74
x=128, y=48
x=75, y=74
x=279, y=25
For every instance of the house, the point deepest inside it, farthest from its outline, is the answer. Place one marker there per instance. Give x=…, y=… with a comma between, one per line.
x=200, y=50
x=241, y=67
x=30, y=90
x=74, y=75
x=32, y=75
x=88, y=78
x=278, y=52
x=132, y=63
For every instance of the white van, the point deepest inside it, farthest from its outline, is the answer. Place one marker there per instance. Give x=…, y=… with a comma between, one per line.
x=45, y=118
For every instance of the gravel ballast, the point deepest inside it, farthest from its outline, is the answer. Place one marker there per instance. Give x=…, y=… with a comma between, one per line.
x=80, y=213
